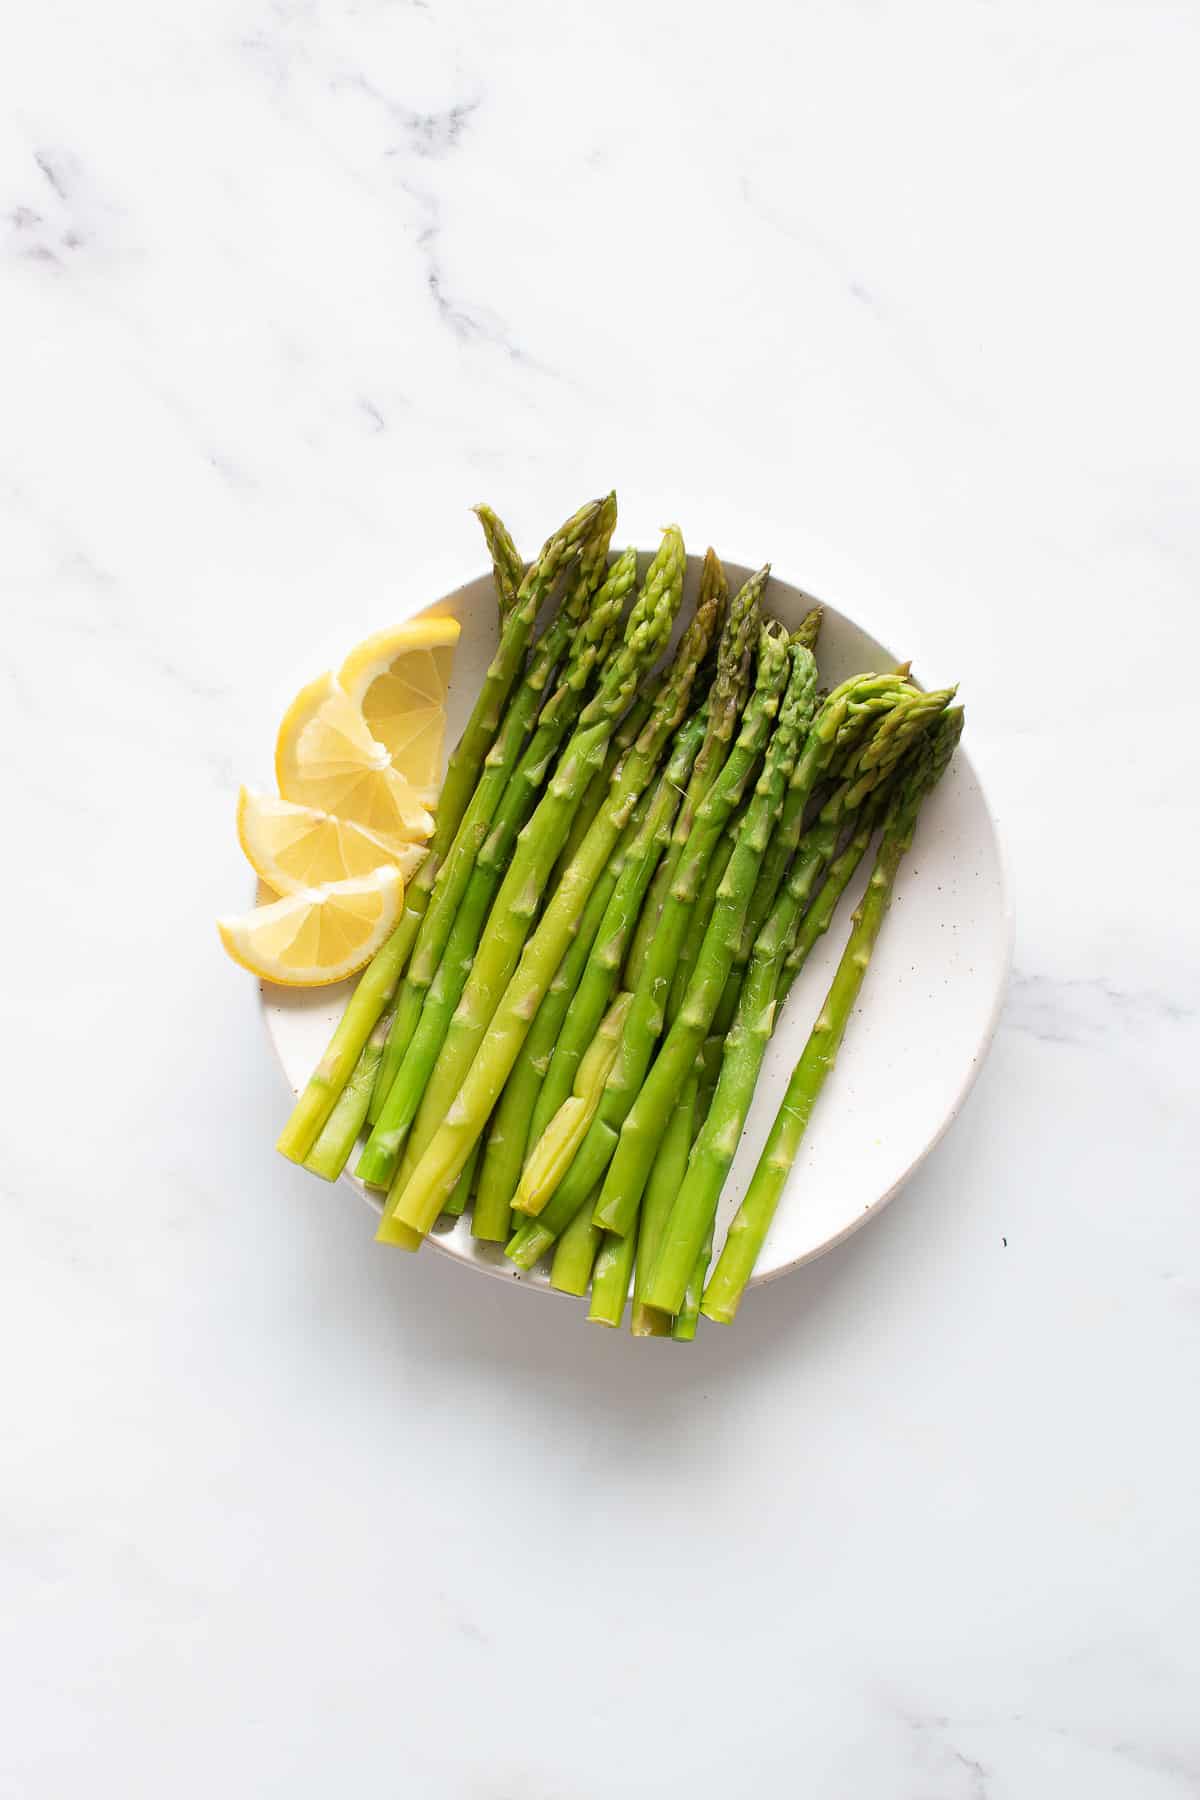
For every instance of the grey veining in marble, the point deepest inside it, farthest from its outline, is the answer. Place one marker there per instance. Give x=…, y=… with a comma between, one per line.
x=902, y=298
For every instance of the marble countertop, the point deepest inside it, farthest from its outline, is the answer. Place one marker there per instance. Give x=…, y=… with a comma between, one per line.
x=904, y=299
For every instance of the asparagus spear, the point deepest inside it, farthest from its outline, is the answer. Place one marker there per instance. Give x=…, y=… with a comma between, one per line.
x=456, y=1205
x=689, y=1225
x=600, y=975
x=575, y=1254
x=816, y=850
x=508, y=570
x=523, y=1110
x=533, y=1237
x=806, y=633
x=610, y=1279
x=634, y=1154
x=809, y=629
x=851, y=762
x=665, y=1177
x=890, y=725
x=624, y=738
x=480, y=1084
x=752, y=1221
x=586, y=629
x=486, y=940
x=699, y=829
x=701, y=914
x=645, y=1019
x=377, y=984
x=440, y=967
x=843, y=719
x=714, y=585
x=683, y=1325
x=508, y=1132
x=493, y=950
x=376, y=987
x=647, y=925
x=584, y=625
x=339, y=1134
x=732, y=662
x=808, y=926
x=556, y=555
x=577, y=1113
x=731, y=684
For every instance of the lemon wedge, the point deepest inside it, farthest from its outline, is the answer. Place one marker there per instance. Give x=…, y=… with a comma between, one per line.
x=319, y=935
x=291, y=847
x=326, y=758
x=398, y=680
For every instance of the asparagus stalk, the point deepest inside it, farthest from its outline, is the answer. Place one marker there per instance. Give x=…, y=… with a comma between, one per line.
x=748, y=1231
x=841, y=722
x=731, y=684
x=509, y=1134
x=646, y=1016
x=610, y=1279
x=376, y=987
x=576, y=1114
x=624, y=738
x=434, y=986
x=584, y=626
x=689, y=1226
x=508, y=570
x=456, y=1205
x=647, y=925
x=665, y=1177
x=714, y=581
x=630, y=1167
x=683, y=1325
x=377, y=984
x=339, y=1134
x=602, y=970
x=706, y=900
x=532, y=1238
x=488, y=945
x=634, y=1154
x=817, y=849
x=889, y=726
x=575, y=1254
x=490, y=950
x=556, y=555
x=480, y=1084
x=585, y=630
x=523, y=1111
x=806, y=633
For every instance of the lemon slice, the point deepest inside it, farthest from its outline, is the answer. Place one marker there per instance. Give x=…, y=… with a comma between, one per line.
x=291, y=847
x=398, y=681
x=319, y=935
x=326, y=758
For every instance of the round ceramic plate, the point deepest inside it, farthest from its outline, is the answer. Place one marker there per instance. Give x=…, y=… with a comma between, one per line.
x=928, y=1010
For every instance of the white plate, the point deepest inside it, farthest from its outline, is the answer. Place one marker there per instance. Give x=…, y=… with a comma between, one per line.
x=929, y=1007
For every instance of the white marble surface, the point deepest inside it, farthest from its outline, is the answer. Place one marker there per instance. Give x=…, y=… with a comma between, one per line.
x=905, y=298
